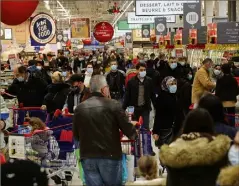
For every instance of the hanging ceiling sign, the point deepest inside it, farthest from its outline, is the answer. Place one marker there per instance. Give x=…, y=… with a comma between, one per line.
x=192, y=15
x=42, y=28
x=103, y=32
x=133, y=19
x=155, y=7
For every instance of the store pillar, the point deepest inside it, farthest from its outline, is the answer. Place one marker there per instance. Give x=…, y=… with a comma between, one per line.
x=237, y=11
x=232, y=10
x=221, y=8
x=208, y=11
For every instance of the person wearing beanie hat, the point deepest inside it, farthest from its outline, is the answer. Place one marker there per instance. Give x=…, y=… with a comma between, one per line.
x=12, y=174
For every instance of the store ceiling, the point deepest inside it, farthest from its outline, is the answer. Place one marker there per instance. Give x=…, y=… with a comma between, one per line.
x=96, y=10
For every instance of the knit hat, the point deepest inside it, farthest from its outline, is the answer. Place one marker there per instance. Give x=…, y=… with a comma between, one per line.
x=23, y=172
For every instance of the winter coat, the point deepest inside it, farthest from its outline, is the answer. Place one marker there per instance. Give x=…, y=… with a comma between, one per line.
x=201, y=84
x=167, y=71
x=229, y=176
x=195, y=161
x=56, y=96
x=3, y=109
x=156, y=182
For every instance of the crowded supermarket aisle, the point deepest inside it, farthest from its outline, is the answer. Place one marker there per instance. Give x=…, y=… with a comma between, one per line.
x=103, y=93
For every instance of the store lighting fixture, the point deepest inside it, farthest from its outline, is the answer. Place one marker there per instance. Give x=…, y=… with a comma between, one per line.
x=62, y=7
x=122, y=13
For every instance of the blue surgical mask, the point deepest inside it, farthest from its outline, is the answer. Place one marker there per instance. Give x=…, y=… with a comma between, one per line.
x=64, y=74
x=233, y=155
x=190, y=76
x=173, y=89
x=20, y=79
x=114, y=67
x=173, y=65
x=182, y=63
x=89, y=70
x=142, y=74
x=141, y=61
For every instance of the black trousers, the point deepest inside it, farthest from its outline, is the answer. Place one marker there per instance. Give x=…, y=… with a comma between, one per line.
x=231, y=112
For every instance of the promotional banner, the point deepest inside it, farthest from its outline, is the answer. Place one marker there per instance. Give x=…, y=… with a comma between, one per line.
x=185, y=36
x=80, y=27
x=228, y=33
x=202, y=35
x=128, y=40
x=133, y=19
x=145, y=31
x=160, y=26
x=153, y=7
x=192, y=15
x=103, y=32
x=42, y=29
x=59, y=35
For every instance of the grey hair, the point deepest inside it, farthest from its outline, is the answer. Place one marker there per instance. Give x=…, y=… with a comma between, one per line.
x=97, y=82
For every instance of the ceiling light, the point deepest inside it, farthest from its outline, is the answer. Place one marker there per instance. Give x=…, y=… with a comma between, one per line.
x=47, y=2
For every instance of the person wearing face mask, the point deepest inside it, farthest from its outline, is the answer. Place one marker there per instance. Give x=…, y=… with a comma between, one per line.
x=184, y=66
x=56, y=94
x=77, y=94
x=216, y=73
x=79, y=63
x=88, y=74
x=28, y=86
x=202, y=82
x=167, y=109
x=96, y=125
x=116, y=81
x=45, y=75
x=139, y=94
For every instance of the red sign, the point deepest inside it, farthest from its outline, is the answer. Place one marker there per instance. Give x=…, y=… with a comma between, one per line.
x=16, y=12
x=103, y=32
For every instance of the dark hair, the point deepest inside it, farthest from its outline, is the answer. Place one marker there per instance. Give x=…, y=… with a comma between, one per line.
x=207, y=60
x=89, y=63
x=214, y=106
x=226, y=69
x=140, y=65
x=22, y=70
x=152, y=55
x=198, y=120
x=77, y=78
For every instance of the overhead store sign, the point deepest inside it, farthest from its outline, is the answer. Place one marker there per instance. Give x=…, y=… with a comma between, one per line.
x=133, y=19
x=123, y=25
x=160, y=26
x=145, y=31
x=42, y=28
x=228, y=33
x=80, y=28
x=192, y=15
x=156, y=7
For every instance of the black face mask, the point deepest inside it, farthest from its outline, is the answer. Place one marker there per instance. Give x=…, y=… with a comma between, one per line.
x=76, y=89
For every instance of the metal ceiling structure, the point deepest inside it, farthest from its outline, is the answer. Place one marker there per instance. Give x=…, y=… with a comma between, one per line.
x=96, y=10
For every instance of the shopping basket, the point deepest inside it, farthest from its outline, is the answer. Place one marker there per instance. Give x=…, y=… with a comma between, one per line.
x=20, y=114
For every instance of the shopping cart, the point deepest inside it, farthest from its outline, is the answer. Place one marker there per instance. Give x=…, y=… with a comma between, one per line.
x=20, y=114
x=59, y=156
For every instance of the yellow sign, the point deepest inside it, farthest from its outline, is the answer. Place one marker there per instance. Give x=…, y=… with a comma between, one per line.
x=80, y=28
x=137, y=35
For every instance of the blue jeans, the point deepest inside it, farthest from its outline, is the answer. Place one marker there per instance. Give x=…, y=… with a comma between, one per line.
x=102, y=172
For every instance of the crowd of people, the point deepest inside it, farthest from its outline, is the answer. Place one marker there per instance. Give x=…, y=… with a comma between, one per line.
x=194, y=145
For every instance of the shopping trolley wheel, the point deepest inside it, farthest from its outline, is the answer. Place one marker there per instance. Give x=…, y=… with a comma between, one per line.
x=64, y=183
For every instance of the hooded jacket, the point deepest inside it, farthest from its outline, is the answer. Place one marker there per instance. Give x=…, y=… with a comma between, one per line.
x=195, y=161
x=229, y=176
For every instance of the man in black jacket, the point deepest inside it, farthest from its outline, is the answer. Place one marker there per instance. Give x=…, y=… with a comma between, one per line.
x=77, y=93
x=116, y=81
x=96, y=125
x=139, y=94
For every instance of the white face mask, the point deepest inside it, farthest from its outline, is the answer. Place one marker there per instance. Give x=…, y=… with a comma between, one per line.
x=217, y=72
x=89, y=70
x=94, y=59
x=142, y=74
x=81, y=59
x=233, y=155
x=182, y=63
x=39, y=67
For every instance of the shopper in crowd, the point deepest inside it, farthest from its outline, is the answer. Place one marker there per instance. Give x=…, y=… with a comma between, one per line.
x=227, y=90
x=28, y=86
x=77, y=94
x=184, y=94
x=116, y=82
x=140, y=93
x=45, y=75
x=216, y=73
x=161, y=63
x=202, y=82
x=23, y=172
x=167, y=110
x=131, y=72
x=229, y=175
x=56, y=94
x=101, y=160
x=79, y=63
x=51, y=63
x=121, y=62
x=184, y=66
x=32, y=62
x=62, y=61
x=148, y=168
x=88, y=74
x=214, y=106
x=196, y=157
